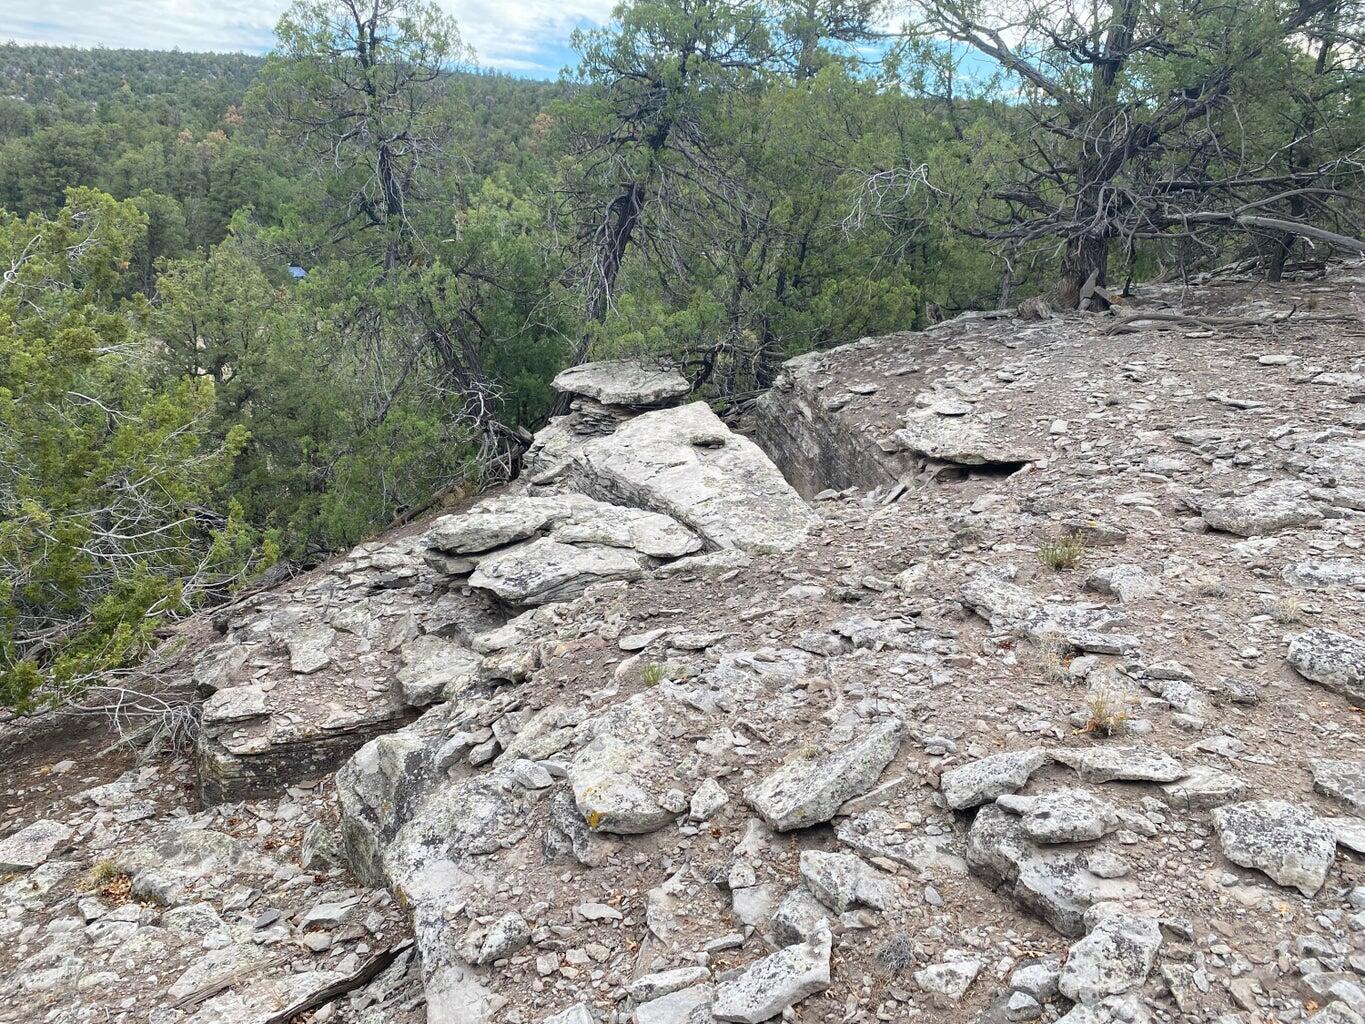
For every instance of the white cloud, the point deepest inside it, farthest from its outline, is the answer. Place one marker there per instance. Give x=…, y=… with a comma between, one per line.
x=527, y=36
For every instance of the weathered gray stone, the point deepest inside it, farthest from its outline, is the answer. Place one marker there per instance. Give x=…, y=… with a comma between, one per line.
x=875, y=833
x=797, y=918
x=802, y=793
x=707, y=801
x=33, y=844
x=1268, y=510
x=1115, y=957
x=1204, y=788
x=686, y=463
x=951, y=978
x=1062, y=815
x=662, y=983
x=1054, y=882
x=841, y=881
x=622, y=382
x=606, y=777
x=546, y=570
x=776, y=982
x=1332, y=659
x=1126, y=582
x=965, y=440
x=1281, y=839
x=436, y=669
x=1343, y=781
x=504, y=937
x=1136, y=763
x=1328, y=572
x=310, y=648
x=979, y=782
x=235, y=704
x=676, y=1007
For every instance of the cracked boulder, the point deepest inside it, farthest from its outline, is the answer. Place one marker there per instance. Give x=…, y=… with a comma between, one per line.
x=979, y=782
x=1055, y=882
x=687, y=464
x=1062, y=815
x=1291, y=845
x=806, y=792
x=768, y=987
x=1267, y=510
x=1114, y=957
x=1137, y=763
x=1331, y=659
x=842, y=881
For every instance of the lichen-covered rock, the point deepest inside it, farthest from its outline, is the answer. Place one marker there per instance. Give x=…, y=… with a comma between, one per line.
x=1062, y=815
x=1283, y=840
x=1115, y=957
x=436, y=669
x=979, y=782
x=622, y=382
x=776, y=982
x=33, y=844
x=1204, y=788
x=1343, y=781
x=609, y=785
x=1267, y=510
x=1055, y=882
x=1332, y=659
x=1136, y=763
x=841, y=881
x=951, y=978
x=803, y=793
x=686, y=463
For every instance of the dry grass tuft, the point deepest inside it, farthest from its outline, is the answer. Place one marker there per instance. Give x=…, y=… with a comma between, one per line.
x=1062, y=552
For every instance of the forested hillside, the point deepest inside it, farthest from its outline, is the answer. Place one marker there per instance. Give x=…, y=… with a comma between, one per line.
x=255, y=309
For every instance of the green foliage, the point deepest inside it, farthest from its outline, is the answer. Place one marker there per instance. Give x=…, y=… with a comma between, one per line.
x=106, y=469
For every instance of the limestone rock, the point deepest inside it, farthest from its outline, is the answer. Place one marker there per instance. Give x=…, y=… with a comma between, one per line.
x=622, y=382
x=979, y=782
x=686, y=463
x=33, y=844
x=1333, y=659
x=802, y=793
x=1204, y=788
x=606, y=780
x=436, y=669
x=1126, y=582
x=951, y=978
x=546, y=570
x=504, y=937
x=1281, y=839
x=841, y=880
x=675, y=1007
x=1324, y=573
x=1138, y=763
x=1343, y=781
x=1115, y=957
x=965, y=440
x=1055, y=882
x=776, y=982
x=1062, y=815
x=1268, y=510
x=797, y=918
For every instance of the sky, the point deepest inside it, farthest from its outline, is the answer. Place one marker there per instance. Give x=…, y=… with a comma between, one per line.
x=522, y=37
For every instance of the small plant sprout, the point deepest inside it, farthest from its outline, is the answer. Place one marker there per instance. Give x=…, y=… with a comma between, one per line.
x=654, y=673
x=1285, y=610
x=1053, y=659
x=1062, y=552
x=1110, y=711
x=897, y=953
